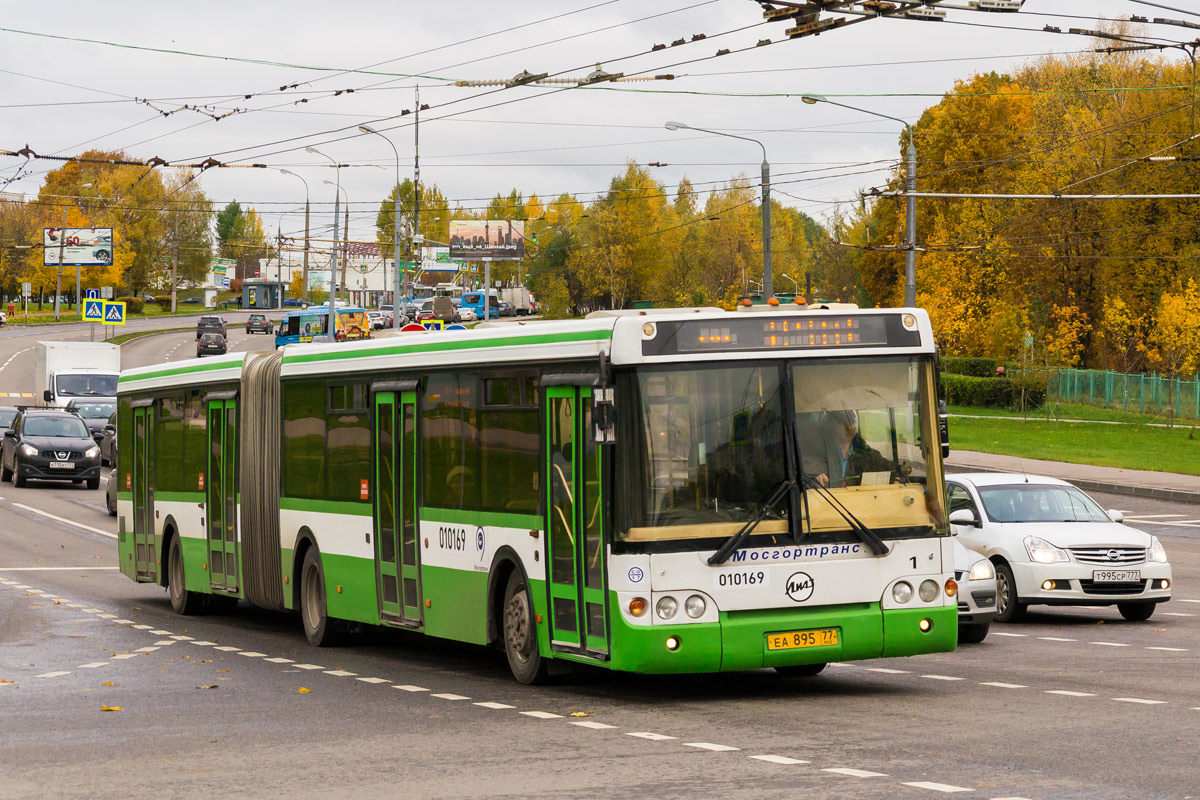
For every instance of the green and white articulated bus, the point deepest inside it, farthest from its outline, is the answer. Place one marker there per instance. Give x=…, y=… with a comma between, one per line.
x=669, y=491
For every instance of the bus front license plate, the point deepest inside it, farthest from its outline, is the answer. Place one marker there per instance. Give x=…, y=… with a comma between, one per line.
x=792, y=640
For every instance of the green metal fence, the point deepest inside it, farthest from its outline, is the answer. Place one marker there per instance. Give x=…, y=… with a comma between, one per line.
x=1146, y=394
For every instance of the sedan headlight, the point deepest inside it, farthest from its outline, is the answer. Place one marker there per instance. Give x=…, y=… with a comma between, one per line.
x=28, y=450
x=981, y=570
x=1043, y=552
x=92, y=452
x=1157, y=553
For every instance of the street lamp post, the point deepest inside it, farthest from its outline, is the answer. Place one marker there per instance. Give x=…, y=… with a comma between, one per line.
x=400, y=286
x=910, y=223
x=304, y=289
x=795, y=284
x=768, y=289
x=332, y=329
x=62, y=241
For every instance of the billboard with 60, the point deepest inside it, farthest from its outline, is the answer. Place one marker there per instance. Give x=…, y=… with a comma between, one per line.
x=80, y=247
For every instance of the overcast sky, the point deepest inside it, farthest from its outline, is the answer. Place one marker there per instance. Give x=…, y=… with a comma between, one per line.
x=62, y=96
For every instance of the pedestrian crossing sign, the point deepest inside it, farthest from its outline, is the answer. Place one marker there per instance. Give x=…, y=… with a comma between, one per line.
x=114, y=312
x=432, y=324
x=93, y=310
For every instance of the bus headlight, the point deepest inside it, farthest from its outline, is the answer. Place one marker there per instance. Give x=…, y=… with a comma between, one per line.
x=666, y=607
x=902, y=592
x=928, y=591
x=695, y=606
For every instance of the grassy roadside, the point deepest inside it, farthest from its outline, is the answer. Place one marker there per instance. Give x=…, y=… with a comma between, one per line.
x=1074, y=411
x=125, y=337
x=1124, y=447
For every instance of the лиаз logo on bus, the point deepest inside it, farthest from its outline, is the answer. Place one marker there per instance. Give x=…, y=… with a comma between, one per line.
x=799, y=586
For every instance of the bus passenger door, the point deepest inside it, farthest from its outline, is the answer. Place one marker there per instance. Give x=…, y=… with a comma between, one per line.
x=221, y=494
x=145, y=557
x=574, y=524
x=395, y=472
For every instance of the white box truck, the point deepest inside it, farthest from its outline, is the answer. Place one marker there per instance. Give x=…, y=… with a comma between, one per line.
x=67, y=370
x=519, y=298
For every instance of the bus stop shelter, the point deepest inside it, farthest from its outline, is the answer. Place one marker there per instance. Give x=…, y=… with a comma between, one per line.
x=262, y=294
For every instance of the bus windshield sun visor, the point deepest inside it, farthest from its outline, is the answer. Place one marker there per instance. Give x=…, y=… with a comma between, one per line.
x=868, y=536
x=733, y=542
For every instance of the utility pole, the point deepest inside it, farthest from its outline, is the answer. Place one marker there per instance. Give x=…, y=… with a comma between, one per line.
x=175, y=264
x=346, y=246
x=416, y=237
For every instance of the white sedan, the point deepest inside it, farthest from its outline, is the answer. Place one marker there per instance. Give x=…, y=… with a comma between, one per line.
x=1051, y=544
x=976, y=594
x=467, y=315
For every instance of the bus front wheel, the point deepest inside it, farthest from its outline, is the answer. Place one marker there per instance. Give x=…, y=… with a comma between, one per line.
x=520, y=633
x=318, y=627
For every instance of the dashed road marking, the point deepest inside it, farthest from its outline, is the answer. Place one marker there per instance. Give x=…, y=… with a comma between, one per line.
x=166, y=642
x=538, y=714
x=161, y=633
x=145, y=649
x=587, y=723
x=450, y=696
x=943, y=678
x=115, y=621
x=1066, y=693
x=374, y=680
x=184, y=638
x=496, y=706
x=129, y=655
x=48, y=515
x=406, y=687
x=654, y=737
x=52, y=569
x=143, y=627
x=887, y=671
x=1056, y=639
x=279, y=660
x=1109, y=644
x=227, y=648
x=1170, y=649
x=1010, y=635
x=1004, y=685
x=340, y=673
x=108, y=616
x=716, y=748
x=252, y=654
x=1140, y=700
x=779, y=760
x=204, y=644
x=938, y=787
x=53, y=674
x=855, y=773
x=1176, y=614
x=1182, y=600
x=94, y=665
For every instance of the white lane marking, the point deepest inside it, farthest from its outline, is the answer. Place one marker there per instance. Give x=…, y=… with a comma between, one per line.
x=93, y=665
x=596, y=726
x=887, y=671
x=67, y=521
x=143, y=627
x=374, y=680
x=1182, y=600
x=779, y=760
x=118, y=621
x=1056, y=639
x=33, y=591
x=1109, y=644
x=716, y=748
x=129, y=655
x=252, y=654
x=450, y=696
x=341, y=673
x=145, y=650
x=1066, y=693
x=108, y=616
x=1004, y=685
x=1140, y=700
x=52, y=674
x=1012, y=635
x=182, y=638
x=300, y=666
x=1176, y=614
x=496, y=706
x=161, y=633
x=538, y=714
x=943, y=678
x=938, y=787
x=855, y=773
x=279, y=660
x=93, y=610
x=166, y=642
x=654, y=737
x=1150, y=516
x=205, y=644
x=1170, y=649
x=408, y=687
x=227, y=648
x=840, y=664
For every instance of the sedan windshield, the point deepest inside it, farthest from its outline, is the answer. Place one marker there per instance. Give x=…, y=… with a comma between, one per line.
x=6, y=417
x=708, y=443
x=87, y=385
x=56, y=427
x=1039, y=503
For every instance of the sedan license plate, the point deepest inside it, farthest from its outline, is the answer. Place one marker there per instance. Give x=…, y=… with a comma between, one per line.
x=61, y=465
x=792, y=640
x=1116, y=575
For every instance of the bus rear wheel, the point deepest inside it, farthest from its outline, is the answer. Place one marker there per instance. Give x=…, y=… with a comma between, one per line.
x=182, y=601
x=520, y=633
x=320, y=630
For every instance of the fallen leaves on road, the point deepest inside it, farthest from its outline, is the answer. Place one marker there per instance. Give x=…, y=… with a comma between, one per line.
x=110, y=683
x=2, y=680
x=111, y=708
x=581, y=713
x=210, y=686
x=303, y=690
x=222, y=670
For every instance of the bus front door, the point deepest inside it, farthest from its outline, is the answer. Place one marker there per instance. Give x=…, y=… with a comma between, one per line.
x=220, y=489
x=574, y=524
x=397, y=569
x=145, y=552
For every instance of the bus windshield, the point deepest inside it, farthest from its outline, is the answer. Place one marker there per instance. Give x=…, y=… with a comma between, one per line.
x=709, y=442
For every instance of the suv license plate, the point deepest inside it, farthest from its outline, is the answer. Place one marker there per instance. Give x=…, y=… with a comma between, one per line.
x=1116, y=575
x=61, y=465
x=795, y=639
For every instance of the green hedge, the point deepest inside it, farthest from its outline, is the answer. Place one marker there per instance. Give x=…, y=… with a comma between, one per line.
x=975, y=367
x=164, y=301
x=967, y=390
x=133, y=305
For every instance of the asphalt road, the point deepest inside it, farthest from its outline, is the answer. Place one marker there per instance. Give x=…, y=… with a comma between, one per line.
x=1072, y=703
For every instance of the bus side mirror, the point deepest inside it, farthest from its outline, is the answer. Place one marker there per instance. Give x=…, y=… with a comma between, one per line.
x=604, y=416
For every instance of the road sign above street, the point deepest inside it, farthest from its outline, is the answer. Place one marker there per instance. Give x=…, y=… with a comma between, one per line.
x=114, y=312
x=91, y=294
x=93, y=310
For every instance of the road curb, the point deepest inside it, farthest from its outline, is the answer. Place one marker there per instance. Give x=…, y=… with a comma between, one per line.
x=1130, y=490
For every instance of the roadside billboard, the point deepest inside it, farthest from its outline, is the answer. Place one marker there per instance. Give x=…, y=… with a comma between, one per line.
x=80, y=247
x=493, y=239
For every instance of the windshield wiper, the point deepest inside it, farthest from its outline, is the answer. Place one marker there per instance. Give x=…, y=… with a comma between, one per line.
x=733, y=542
x=868, y=536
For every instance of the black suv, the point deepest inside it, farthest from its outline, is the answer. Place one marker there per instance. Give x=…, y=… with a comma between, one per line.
x=211, y=325
x=258, y=323
x=210, y=344
x=49, y=444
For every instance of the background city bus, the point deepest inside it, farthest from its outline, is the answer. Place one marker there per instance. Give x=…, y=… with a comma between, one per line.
x=303, y=325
